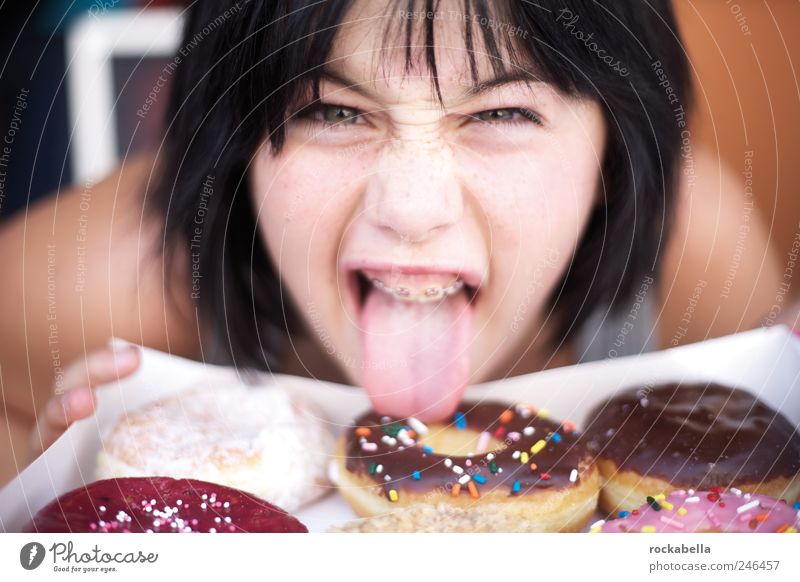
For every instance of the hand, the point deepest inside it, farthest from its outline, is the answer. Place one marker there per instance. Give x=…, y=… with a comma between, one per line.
x=74, y=398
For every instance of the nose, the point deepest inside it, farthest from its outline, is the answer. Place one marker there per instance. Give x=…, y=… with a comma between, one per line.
x=414, y=190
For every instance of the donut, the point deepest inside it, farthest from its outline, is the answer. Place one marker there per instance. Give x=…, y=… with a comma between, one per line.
x=160, y=505
x=691, y=436
x=715, y=511
x=258, y=439
x=508, y=464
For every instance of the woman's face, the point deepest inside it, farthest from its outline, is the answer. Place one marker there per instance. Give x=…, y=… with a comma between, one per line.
x=419, y=241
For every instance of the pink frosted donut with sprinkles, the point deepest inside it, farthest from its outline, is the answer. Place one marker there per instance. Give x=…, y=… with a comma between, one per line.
x=713, y=511
x=161, y=505
x=509, y=463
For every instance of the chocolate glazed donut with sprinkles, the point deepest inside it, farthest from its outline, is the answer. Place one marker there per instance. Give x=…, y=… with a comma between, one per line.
x=498, y=461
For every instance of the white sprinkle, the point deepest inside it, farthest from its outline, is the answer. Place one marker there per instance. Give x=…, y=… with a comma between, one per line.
x=457, y=470
x=387, y=478
x=691, y=491
x=598, y=523
x=212, y=530
x=514, y=436
x=490, y=456
x=179, y=502
x=483, y=442
x=102, y=508
x=742, y=508
x=369, y=447
x=379, y=469
x=747, y=496
x=515, y=455
x=694, y=499
x=227, y=519
x=385, y=419
x=448, y=462
x=205, y=496
x=573, y=476
x=464, y=479
x=528, y=430
x=217, y=519
x=672, y=522
x=737, y=492
x=226, y=505
x=203, y=505
x=417, y=426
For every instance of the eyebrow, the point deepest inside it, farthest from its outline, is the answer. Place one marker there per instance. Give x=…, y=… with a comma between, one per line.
x=474, y=88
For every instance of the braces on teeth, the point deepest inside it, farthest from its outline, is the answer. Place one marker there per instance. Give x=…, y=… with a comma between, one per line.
x=431, y=293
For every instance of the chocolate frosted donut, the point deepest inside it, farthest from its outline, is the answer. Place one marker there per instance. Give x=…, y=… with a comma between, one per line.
x=507, y=459
x=160, y=505
x=698, y=436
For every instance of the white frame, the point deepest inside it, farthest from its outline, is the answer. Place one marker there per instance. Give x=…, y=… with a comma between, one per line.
x=93, y=42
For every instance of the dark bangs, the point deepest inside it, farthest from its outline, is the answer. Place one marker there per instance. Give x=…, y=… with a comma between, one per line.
x=246, y=65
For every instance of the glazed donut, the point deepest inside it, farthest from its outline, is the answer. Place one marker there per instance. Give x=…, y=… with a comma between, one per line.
x=260, y=440
x=690, y=511
x=505, y=463
x=694, y=436
x=160, y=505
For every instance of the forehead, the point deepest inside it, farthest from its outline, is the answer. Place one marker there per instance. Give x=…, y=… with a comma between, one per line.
x=383, y=45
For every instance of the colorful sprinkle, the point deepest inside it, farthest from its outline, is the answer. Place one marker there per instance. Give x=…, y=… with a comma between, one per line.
x=500, y=432
x=418, y=426
x=460, y=420
x=543, y=413
x=516, y=487
x=427, y=450
x=747, y=506
x=493, y=467
x=540, y=444
x=623, y=514
x=653, y=503
x=478, y=478
x=534, y=466
x=483, y=442
x=456, y=490
x=363, y=431
x=372, y=468
x=392, y=495
x=473, y=491
x=667, y=505
x=672, y=522
x=568, y=425
x=555, y=437
x=514, y=436
x=544, y=476
x=416, y=476
x=392, y=429
x=648, y=529
x=506, y=417
x=682, y=511
x=523, y=458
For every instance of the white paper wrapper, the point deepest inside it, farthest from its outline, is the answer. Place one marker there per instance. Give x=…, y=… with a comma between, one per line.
x=765, y=362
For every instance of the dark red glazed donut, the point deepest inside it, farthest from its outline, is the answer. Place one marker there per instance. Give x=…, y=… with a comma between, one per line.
x=160, y=505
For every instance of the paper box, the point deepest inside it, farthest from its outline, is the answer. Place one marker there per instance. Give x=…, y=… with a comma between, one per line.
x=765, y=362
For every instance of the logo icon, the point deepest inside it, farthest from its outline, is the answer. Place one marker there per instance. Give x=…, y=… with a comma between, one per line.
x=31, y=555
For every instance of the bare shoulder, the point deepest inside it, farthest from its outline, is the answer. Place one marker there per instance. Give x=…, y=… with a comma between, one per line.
x=720, y=274
x=80, y=266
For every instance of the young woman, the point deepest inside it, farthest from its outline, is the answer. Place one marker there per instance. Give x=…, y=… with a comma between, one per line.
x=405, y=197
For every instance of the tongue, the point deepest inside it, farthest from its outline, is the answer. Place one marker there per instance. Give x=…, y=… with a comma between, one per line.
x=416, y=358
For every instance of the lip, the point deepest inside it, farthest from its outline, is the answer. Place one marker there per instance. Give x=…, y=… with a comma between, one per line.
x=472, y=277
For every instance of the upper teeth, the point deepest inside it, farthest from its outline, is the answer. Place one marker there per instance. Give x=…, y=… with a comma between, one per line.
x=429, y=293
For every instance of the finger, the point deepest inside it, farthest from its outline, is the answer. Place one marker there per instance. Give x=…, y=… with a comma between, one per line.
x=103, y=365
x=60, y=412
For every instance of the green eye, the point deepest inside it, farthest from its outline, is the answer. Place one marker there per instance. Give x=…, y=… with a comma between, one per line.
x=509, y=115
x=339, y=115
x=496, y=115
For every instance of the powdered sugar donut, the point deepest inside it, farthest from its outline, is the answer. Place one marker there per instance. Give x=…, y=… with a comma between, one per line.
x=686, y=511
x=258, y=439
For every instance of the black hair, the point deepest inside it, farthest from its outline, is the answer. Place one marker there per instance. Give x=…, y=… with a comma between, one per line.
x=244, y=64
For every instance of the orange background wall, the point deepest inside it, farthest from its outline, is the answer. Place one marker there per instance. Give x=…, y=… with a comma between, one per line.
x=748, y=98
